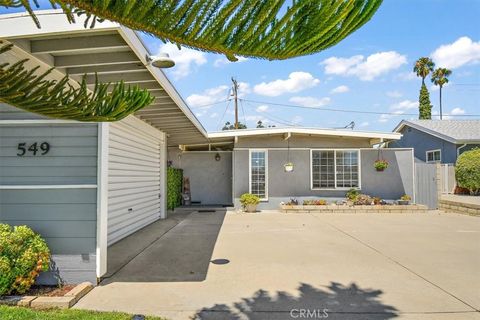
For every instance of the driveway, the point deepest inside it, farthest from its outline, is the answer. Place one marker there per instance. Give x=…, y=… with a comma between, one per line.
x=298, y=266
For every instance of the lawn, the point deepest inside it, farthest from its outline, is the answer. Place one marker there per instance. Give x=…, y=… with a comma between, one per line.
x=18, y=313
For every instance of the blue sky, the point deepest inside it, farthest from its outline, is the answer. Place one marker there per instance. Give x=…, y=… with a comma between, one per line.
x=371, y=70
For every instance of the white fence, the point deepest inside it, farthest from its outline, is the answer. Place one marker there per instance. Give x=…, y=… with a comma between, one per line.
x=447, y=178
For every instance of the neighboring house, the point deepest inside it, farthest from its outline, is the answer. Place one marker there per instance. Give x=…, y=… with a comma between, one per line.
x=327, y=163
x=438, y=140
x=85, y=186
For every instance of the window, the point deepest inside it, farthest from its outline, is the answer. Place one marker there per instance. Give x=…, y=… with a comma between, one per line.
x=434, y=156
x=335, y=169
x=259, y=173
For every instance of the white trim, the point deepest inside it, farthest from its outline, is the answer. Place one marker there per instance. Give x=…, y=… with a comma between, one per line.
x=434, y=150
x=250, y=172
x=308, y=149
x=53, y=186
x=359, y=156
x=102, y=199
x=414, y=177
x=163, y=177
x=304, y=131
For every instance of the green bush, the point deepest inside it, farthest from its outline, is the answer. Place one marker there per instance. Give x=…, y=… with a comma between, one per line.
x=23, y=255
x=467, y=170
x=352, y=194
x=174, y=187
x=248, y=198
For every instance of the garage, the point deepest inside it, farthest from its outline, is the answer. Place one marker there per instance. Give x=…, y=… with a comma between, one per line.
x=85, y=186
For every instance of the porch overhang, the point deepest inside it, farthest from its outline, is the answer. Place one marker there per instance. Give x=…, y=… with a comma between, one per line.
x=109, y=51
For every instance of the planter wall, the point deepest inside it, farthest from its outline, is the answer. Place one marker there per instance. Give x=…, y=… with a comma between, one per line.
x=411, y=208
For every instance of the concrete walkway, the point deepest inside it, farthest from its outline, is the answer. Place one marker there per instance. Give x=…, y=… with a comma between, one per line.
x=275, y=266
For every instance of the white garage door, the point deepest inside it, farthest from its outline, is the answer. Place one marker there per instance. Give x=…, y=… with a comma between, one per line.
x=134, y=177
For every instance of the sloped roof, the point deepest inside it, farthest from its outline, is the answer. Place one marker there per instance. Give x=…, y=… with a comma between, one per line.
x=455, y=131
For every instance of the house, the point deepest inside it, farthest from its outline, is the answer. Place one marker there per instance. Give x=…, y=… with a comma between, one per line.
x=438, y=140
x=327, y=163
x=93, y=184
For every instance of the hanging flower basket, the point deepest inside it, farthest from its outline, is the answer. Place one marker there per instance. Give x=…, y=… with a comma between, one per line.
x=380, y=165
x=288, y=167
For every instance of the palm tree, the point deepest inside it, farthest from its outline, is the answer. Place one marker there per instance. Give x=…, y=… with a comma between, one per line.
x=423, y=67
x=440, y=78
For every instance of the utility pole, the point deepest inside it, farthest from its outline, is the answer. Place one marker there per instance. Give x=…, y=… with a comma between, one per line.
x=235, y=97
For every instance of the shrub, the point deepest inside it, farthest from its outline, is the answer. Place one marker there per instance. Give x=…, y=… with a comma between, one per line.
x=363, y=199
x=23, y=255
x=467, y=170
x=248, y=198
x=174, y=187
x=405, y=197
x=352, y=194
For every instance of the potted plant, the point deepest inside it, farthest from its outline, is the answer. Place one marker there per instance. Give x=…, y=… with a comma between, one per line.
x=249, y=202
x=404, y=200
x=288, y=167
x=380, y=165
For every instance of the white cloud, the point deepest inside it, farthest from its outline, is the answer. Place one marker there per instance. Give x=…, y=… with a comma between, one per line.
x=185, y=59
x=461, y=52
x=436, y=88
x=216, y=94
x=214, y=115
x=394, y=94
x=208, y=96
x=310, y=102
x=296, y=120
x=398, y=108
x=220, y=62
x=262, y=108
x=404, y=105
x=340, y=89
x=297, y=81
x=365, y=69
x=457, y=111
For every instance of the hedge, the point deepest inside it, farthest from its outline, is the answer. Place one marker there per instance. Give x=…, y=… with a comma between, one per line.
x=467, y=170
x=174, y=187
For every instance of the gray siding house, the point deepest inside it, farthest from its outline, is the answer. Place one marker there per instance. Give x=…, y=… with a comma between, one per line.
x=86, y=186
x=438, y=140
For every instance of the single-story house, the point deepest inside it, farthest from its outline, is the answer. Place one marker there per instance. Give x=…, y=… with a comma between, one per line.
x=327, y=163
x=437, y=140
x=85, y=186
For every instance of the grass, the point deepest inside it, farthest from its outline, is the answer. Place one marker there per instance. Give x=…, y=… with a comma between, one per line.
x=18, y=313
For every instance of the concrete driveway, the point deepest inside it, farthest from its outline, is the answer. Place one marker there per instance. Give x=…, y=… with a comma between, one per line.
x=299, y=266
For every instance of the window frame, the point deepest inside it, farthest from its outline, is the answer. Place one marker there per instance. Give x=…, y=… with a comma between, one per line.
x=433, y=151
x=335, y=161
x=250, y=151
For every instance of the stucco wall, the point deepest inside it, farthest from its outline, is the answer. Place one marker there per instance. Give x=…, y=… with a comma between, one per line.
x=210, y=180
x=390, y=184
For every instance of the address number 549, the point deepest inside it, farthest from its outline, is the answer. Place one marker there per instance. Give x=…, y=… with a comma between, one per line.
x=35, y=148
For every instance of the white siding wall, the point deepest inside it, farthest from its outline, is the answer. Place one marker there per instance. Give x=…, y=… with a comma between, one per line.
x=135, y=173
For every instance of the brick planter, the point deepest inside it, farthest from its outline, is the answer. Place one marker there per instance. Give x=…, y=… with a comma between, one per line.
x=41, y=302
x=331, y=208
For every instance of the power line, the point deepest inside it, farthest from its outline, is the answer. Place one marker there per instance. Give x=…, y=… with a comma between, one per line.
x=320, y=108
x=223, y=116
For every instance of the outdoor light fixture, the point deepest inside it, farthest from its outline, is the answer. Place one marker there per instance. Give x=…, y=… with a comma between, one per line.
x=217, y=157
x=162, y=61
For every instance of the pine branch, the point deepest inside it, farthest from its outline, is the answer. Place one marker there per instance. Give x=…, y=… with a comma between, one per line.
x=24, y=89
x=265, y=29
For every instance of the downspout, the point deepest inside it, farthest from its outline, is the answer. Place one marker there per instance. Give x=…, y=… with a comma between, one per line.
x=461, y=147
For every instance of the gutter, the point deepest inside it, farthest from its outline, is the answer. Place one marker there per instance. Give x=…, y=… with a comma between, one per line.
x=459, y=148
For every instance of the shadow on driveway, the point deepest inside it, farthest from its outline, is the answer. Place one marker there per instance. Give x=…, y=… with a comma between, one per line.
x=336, y=302
x=180, y=253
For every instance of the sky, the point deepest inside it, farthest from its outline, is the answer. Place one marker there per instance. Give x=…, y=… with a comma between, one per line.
x=369, y=71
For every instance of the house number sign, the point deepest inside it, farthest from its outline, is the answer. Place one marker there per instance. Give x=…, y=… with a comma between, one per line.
x=35, y=149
